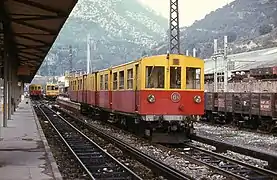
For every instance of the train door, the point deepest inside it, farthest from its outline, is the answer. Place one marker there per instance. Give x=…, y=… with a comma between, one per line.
x=85, y=90
x=109, y=89
x=96, y=90
x=136, y=79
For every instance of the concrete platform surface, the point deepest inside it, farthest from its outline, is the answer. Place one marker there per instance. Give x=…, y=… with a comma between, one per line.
x=24, y=152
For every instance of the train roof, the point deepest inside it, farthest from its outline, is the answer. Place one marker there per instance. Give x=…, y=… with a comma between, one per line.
x=246, y=61
x=51, y=84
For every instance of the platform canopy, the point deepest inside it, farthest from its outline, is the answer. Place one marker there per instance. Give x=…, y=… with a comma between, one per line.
x=30, y=28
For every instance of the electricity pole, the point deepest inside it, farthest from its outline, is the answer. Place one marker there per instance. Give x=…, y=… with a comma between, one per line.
x=174, y=30
x=88, y=54
x=70, y=58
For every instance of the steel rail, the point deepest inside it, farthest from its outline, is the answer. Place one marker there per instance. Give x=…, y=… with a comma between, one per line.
x=157, y=166
x=228, y=166
x=93, y=159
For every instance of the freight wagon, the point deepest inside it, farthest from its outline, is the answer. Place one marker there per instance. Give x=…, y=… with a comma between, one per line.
x=253, y=110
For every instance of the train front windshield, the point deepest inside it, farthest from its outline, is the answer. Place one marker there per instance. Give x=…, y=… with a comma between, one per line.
x=53, y=88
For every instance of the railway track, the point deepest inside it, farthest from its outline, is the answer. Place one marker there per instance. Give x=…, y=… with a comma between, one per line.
x=224, y=165
x=93, y=158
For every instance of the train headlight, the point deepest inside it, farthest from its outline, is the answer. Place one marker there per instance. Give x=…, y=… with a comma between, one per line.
x=197, y=99
x=151, y=98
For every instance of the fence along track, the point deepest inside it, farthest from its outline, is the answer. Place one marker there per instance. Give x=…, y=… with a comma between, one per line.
x=94, y=160
x=226, y=165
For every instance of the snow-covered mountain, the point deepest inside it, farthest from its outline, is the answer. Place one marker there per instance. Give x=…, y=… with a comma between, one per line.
x=121, y=30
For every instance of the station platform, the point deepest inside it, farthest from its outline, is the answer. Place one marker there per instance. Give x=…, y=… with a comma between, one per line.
x=24, y=151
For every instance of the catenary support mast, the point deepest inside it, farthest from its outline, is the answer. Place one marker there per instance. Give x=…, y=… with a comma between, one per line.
x=174, y=30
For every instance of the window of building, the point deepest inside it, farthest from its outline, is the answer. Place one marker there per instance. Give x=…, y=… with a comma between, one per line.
x=175, y=77
x=193, y=77
x=101, y=82
x=106, y=81
x=121, y=80
x=115, y=81
x=130, y=79
x=154, y=77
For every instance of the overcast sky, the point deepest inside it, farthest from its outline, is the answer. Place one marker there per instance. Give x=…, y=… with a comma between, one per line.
x=190, y=10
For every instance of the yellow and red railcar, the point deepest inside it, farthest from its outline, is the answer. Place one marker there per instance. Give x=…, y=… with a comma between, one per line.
x=158, y=95
x=51, y=91
x=35, y=91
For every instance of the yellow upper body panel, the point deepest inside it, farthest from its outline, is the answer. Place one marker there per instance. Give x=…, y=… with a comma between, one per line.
x=103, y=79
x=51, y=89
x=125, y=76
x=162, y=72
x=169, y=62
x=35, y=87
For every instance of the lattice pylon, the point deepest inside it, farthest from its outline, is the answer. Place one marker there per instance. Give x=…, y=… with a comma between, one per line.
x=174, y=30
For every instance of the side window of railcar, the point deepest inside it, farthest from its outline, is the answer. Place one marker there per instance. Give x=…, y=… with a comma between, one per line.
x=130, y=79
x=106, y=81
x=114, y=80
x=193, y=78
x=175, y=77
x=121, y=79
x=154, y=77
x=101, y=82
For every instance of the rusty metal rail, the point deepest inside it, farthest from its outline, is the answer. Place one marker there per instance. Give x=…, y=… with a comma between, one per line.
x=252, y=152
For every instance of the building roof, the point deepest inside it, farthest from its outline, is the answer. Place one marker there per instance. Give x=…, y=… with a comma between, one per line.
x=245, y=61
x=31, y=27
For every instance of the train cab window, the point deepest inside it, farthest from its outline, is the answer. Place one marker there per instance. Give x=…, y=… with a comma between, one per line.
x=39, y=88
x=154, y=77
x=115, y=81
x=121, y=80
x=193, y=78
x=130, y=79
x=175, y=77
x=106, y=81
x=101, y=82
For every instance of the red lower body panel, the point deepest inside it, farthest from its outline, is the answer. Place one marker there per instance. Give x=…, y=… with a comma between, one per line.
x=91, y=97
x=164, y=104
x=104, y=99
x=123, y=101
x=35, y=92
x=73, y=95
